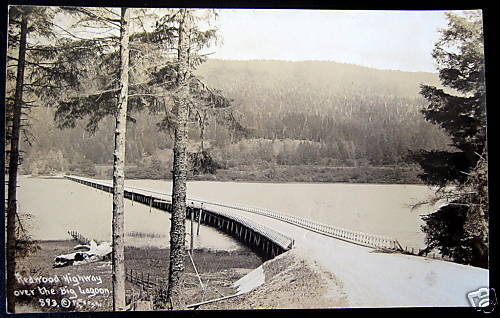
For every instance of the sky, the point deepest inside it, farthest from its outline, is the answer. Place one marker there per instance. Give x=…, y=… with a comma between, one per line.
x=391, y=40
x=395, y=40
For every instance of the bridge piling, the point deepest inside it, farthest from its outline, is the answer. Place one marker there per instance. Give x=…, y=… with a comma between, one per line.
x=264, y=241
x=192, y=232
x=199, y=216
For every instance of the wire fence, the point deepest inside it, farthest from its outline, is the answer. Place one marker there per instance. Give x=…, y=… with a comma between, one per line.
x=145, y=280
x=149, y=285
x=79, y=237
x=422, y=252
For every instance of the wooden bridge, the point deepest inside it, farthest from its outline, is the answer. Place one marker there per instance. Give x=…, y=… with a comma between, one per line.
x=264, y=240
x=261, y=239
x=365, y=272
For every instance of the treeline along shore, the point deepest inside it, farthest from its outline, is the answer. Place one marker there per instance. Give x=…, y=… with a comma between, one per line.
x=333, y=123
x=272, y=173
x=291, y=174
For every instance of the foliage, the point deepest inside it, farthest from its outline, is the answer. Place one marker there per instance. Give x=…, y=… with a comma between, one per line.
x=25, y=245
x=152, y=168
x=203, y=163
x=377, y=129
x=46, y=162
x=24, y=22
x=459, y=228
x=81, y=82
x=460, y=56
x=354, y=112
x=264, y=172
x=84, y=167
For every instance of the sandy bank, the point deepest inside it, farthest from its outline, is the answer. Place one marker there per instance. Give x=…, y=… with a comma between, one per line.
x=290, y=282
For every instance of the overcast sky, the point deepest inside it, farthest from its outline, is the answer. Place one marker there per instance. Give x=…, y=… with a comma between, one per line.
x=397, y=40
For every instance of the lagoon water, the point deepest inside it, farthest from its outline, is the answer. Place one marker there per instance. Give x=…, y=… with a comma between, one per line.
x=59, y=205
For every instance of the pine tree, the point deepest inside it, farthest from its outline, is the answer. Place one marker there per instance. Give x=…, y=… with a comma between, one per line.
x=72, y=71
x=159, y=82
x=23, y=20
x=460, y=173
x=118, y=245
x=180, y=166
x=13, y=165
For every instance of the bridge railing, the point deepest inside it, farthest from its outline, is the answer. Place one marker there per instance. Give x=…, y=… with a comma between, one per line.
x=360, y=238
x=367, y=239
x=280, y=239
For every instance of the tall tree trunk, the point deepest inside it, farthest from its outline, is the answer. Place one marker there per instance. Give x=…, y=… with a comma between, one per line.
x=13, y=167
x=119, y=169
x=178, y=230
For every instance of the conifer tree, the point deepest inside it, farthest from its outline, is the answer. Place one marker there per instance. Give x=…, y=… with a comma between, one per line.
x=23, y=20
x=118, y=245
x=68, y=78
x=13, y=165
x=180, y=166
x=160, y=80
x=460, y=173
x=186, y=97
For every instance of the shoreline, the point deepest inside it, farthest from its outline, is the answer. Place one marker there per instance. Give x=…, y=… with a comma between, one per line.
x=238, y=181
x=279, y=174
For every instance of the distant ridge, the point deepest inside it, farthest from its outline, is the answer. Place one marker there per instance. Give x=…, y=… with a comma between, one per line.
x=337, y=78
x=318, y=61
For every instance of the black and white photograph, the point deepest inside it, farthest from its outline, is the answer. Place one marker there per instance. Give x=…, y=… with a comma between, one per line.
x=201, y=159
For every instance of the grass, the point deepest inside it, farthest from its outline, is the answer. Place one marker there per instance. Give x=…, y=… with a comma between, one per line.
x=218, y=269
x=145, y=234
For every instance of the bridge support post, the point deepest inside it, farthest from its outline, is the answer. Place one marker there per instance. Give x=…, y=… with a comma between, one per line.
x=199, y=219
x=191, y=247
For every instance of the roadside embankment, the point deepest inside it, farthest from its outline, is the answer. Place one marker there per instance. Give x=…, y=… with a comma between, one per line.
x=289, y=282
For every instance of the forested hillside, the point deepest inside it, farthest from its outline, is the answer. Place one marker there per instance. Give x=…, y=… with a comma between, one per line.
x=298, y=113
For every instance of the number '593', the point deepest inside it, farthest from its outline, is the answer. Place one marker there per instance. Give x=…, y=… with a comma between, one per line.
x=47, y=302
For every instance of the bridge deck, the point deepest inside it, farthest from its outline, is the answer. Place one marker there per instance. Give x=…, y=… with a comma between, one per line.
x=231, y=211
x=254, y=234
